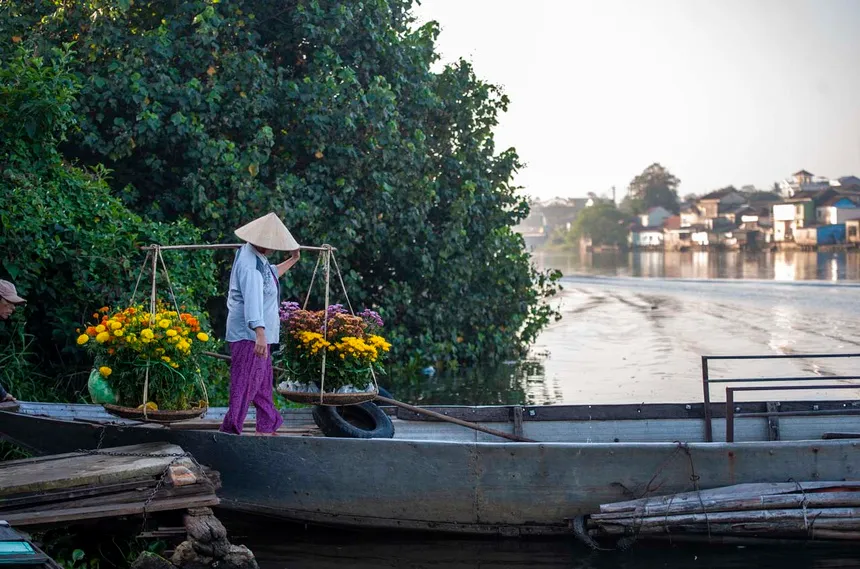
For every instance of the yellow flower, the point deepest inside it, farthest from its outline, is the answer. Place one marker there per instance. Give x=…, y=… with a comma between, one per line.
x=105, y=371
x=103, y=337
x=170, y=333
x=100, y=328
x=115, y=325
x=83, y=339
x=164, y=324
x=174, y=365
x=117, y=333
x=147, y=334
x=166, y=358
x=203, y=336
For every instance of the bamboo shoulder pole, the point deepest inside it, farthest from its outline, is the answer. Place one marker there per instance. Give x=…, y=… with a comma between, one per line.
x=218, y=246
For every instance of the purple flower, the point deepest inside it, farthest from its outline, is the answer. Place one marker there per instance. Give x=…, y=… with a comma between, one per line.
x=287, y=309
x=335, y=309
x=372, y=318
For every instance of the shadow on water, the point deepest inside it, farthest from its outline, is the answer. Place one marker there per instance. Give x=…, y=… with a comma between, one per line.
x=513, y=383
x=279, y=545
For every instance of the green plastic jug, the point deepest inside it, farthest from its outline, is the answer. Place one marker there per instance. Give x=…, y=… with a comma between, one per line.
x=100, y=389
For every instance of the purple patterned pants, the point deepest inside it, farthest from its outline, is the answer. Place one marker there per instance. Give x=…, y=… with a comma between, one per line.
x=251, y=381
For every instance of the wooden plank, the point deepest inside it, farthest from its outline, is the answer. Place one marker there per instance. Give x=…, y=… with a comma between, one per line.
x=247, y=426
x=90, y=469
x=783, y=528
x=785, y=515
x=55, y=496
x=768, y=502
x=501, y=414
x=517, y=417
x=772, y=421
x=110, y=511
x=127, y=497
x=744, y=540
x=179, y=531
x=752, y=490
x=35, y=459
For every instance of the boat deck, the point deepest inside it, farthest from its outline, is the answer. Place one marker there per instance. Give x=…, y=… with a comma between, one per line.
x=547, y=424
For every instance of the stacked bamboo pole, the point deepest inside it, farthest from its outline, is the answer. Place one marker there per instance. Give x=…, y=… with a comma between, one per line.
x=807, y=510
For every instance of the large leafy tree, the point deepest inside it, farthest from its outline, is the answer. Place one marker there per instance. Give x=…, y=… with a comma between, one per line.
x=654, y=187
x=329, y=114
x=65, y=241
x=603, y=223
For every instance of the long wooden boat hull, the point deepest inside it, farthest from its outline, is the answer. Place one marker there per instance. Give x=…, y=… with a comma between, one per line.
x=438, y=485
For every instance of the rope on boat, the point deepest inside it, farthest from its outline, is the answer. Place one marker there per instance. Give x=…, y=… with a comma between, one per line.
x=626, y=542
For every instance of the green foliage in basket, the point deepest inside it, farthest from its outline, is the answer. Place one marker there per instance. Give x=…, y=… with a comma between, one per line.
x=127, y=343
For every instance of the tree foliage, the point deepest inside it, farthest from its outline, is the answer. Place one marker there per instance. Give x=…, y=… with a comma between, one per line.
x=66, y=242
x=329, y=114
x=654, y=187
x=603, y=223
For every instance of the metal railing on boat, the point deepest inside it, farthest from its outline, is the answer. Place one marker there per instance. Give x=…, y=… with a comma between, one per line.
x=731, y=414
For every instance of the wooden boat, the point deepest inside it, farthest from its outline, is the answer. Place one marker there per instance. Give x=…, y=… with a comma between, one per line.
x=435, y=476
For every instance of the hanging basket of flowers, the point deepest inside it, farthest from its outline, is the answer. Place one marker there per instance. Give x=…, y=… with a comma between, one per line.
x=145, y=360
x=330, y=356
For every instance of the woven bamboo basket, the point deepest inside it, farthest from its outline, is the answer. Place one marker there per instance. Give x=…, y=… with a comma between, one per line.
x=155, y=416
x=329, y=399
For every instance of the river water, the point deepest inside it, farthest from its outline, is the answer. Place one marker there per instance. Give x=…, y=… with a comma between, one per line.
x=634, y=328
x=292, y=547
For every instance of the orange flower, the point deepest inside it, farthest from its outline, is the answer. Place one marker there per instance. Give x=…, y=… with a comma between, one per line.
x=104, y=309
x=91, y=330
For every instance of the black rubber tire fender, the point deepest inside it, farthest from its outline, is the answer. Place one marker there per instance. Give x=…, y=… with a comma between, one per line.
x=335, y=421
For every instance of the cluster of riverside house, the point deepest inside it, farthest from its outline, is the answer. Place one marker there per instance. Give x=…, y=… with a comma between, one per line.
x=809, y=212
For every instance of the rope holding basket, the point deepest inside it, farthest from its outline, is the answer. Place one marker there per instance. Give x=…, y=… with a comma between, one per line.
x=326, y=259
x=154, y=253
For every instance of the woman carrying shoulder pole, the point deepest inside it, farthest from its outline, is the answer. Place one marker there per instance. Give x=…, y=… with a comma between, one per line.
x=253, y=324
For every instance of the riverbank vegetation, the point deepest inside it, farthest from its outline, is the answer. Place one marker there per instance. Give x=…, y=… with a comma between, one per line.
x=130, y=123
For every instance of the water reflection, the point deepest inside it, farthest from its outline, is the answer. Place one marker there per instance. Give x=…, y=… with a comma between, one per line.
x=778, y=265
x=279, y=546
x=512, y=383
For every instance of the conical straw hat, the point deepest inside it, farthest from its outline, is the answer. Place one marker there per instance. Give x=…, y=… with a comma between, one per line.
x=268, y=232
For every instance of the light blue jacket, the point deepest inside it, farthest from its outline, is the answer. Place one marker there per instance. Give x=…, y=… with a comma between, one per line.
x=253, y=298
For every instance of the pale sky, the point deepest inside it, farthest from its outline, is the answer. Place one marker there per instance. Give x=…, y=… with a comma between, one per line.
x=719, y=91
